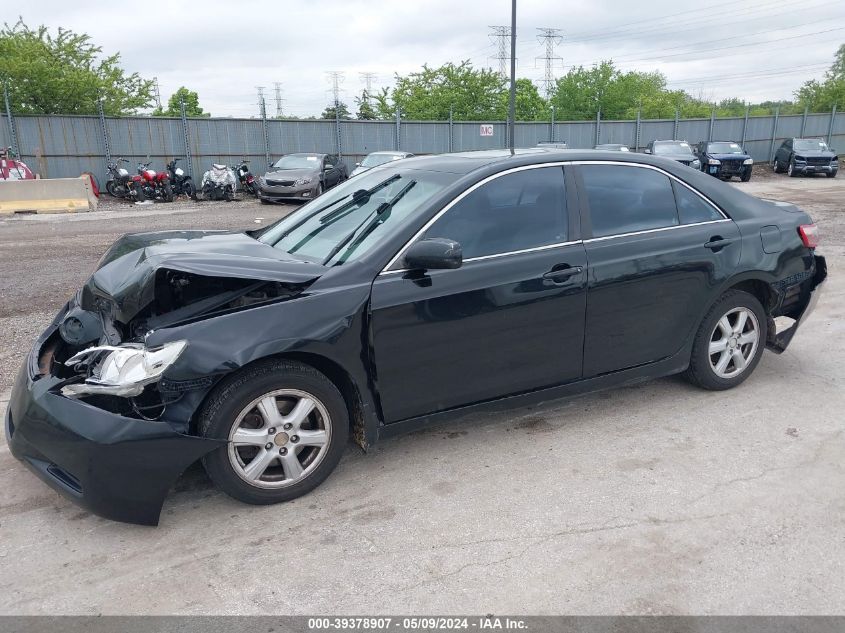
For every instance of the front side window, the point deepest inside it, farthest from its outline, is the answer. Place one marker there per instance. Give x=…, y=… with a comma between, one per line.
x=515, y=212
x=628, y=199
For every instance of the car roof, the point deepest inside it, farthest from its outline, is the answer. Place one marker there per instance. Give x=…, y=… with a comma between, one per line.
x=389, y=152
x=306, y=154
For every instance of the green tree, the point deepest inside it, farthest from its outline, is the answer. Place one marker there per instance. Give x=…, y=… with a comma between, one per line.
x=528, y=103
x=192, y=104
x=473, y=95
x=64, y=73
x=342, y=111
x=366, y=111
x=821, y=96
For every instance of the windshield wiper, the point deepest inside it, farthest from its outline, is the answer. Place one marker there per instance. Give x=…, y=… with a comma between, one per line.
x=380, y=214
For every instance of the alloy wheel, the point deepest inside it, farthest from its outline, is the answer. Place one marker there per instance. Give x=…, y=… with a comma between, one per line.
x=734, y=342
x=279, y=438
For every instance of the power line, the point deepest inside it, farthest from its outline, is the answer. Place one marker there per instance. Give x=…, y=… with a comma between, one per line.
x=550, y=37
x=501, y=36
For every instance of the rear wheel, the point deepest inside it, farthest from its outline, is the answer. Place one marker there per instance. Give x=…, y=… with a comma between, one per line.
x=189, y=189
x=729, y=342
x=286, y=427
x=111, y=187
x=776, y=166
x=168, y=192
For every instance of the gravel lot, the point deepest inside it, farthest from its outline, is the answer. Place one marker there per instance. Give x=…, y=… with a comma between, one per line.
x=659, y=499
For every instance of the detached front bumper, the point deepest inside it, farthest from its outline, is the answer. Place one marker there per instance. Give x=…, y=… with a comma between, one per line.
x=118, y=467
x=810, y=291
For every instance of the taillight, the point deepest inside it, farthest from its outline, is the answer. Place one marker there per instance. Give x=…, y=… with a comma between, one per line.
x=809, y=235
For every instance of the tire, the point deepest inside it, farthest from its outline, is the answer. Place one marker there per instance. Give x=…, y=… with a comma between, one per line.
x=233, y=406
x=189, y=189
x=746, y=175
x=111, y=187
x=790, y=170
x=319, y=190
x=703, y=370
x=832, y=174
x=168, y=192
x=139, y=192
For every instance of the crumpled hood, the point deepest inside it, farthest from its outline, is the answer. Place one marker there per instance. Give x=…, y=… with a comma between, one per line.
x=126, y=273
x=814, y=153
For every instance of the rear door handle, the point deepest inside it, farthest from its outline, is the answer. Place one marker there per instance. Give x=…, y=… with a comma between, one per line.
x=563, y=273
x=717, y=243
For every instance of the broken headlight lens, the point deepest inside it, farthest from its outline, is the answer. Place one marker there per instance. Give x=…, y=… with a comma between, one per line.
x=121, y=371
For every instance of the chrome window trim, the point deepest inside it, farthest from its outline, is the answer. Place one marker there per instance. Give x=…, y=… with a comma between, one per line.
x=643, y=232
x=496, y=255
x=386, y=270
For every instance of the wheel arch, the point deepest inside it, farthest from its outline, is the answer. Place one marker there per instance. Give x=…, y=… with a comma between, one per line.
x=363, y=428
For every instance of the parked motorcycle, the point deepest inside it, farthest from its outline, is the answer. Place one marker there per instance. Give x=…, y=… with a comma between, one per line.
x=155, y=185
x=180, y=182
x=219, y=183
x=122, y=184
x=245, y=178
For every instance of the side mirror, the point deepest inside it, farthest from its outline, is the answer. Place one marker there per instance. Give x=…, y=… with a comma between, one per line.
x=434, y=254
x=357, y=164
x=646, y=151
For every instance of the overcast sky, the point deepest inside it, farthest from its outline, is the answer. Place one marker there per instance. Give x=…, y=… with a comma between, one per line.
x=753, y=49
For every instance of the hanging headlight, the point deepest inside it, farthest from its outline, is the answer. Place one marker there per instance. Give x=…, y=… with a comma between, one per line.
x=122, y=371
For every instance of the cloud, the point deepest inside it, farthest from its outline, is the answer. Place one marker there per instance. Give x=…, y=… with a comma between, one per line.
x=223, y=50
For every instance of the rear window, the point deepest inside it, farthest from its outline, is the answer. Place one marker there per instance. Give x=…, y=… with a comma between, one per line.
x=628, y=199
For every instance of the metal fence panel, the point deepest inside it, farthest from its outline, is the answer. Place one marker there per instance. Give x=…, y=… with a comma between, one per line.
x=468, y=136
x=66, y=146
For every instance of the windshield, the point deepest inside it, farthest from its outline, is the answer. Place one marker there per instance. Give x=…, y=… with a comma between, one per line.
x=373, y=160
x=347, y=222
x=811, y=145
x=724, y=148
x=298, y=161
x=672, y=148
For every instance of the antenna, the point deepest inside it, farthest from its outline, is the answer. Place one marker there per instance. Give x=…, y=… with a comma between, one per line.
x=550, y=37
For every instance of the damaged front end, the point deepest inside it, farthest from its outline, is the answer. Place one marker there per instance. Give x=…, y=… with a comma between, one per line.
x=93, y=412
x=149, y=282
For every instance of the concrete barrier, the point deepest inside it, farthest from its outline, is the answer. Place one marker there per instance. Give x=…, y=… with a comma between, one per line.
x=47, y=195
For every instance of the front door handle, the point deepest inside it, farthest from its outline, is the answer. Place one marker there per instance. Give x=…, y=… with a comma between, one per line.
x=718, y=242
x=563, y=273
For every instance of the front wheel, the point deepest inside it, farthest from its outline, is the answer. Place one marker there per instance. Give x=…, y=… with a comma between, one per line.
x=111, y=187
x=189, y=189
x=791, y=171
x=832, y=174
x=286, y=427
x=168, y=192
x=746, y=175
x=729, y=342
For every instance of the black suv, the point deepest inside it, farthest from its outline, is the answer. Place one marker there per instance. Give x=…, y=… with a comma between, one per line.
x=676, y=150
x=724, y=159
x=805, y=156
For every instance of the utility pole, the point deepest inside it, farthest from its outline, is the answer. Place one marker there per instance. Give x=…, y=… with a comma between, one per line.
x=550, y=37
x=500, y=36
x=13, y=137
x=368, y=79
x=512, y=106
x=263, y=106
x=279, y=101
x=260, y=90
x=336, y=78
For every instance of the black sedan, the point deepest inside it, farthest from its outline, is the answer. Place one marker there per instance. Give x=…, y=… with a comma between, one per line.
x=805, y=156
x=415, y=293
x=724, y=159
x=301, y=177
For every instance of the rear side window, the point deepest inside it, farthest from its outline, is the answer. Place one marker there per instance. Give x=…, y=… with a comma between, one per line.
x=692, y=208
x=514, y=212
x=627, y=199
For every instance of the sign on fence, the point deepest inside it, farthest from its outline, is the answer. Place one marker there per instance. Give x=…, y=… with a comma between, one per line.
x=486, y=130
